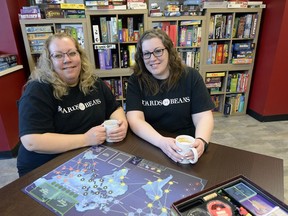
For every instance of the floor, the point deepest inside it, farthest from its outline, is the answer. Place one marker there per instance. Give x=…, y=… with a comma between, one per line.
x=268, y=138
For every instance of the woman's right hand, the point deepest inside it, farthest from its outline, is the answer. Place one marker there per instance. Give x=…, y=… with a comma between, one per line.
x=95, y=136
x=169, y=147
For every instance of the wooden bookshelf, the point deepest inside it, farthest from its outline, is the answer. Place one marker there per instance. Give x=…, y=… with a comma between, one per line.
x=50, y=26
x=120, y=72
x=190, y=52
x=230, y=69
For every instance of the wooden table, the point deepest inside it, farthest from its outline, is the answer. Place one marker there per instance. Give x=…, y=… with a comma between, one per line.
x=218, y=164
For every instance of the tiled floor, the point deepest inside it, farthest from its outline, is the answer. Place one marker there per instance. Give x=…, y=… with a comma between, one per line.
x=244, y=132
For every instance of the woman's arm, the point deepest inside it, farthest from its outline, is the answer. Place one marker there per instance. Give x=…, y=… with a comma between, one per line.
x=204, y=124
x=144, y=130
x=119, y=114
x=53, y=143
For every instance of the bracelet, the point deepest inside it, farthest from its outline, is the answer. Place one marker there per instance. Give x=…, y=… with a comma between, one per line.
x=205, y=143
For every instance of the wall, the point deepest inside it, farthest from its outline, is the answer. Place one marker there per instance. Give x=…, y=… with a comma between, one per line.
x=268, y=99
x=10, y=91
x=11, y=84
x=6, y=41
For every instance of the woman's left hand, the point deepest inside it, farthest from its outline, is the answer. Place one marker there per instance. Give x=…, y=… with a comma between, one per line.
x=200, y=147
x=118, y=134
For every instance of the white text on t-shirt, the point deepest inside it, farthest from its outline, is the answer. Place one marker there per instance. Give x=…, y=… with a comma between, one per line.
x=79, y=106
x=166, y=102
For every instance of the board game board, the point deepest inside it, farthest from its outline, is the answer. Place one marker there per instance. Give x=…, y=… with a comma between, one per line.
x=105, y=181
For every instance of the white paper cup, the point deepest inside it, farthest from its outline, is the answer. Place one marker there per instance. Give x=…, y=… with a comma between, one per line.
x=109, y=125
x=185, y=142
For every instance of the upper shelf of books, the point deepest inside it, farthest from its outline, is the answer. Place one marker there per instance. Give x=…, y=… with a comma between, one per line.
x=155, y=8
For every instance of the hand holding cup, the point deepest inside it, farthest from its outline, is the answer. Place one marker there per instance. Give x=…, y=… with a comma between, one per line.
x=185, y=142
x=110, y=125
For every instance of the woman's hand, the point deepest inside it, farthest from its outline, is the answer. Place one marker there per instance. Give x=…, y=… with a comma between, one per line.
x=169, y=147
x=118, y=134
x=95, y=136
x=200, y=146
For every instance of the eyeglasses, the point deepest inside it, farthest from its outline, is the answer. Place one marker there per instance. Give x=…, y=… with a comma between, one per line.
x=156, y=53
x=60, y=56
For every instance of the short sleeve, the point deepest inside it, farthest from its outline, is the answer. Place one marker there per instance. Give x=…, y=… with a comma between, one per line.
x=200, y=96
x=36, y=108
x=134, y=95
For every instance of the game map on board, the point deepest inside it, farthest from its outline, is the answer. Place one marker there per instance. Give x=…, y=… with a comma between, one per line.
x=105, y=181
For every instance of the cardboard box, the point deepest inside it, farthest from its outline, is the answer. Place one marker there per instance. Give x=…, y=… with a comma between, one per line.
x=237, y=196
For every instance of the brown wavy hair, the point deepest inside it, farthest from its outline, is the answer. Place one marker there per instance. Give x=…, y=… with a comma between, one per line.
x=147, y=82
x=45, y=73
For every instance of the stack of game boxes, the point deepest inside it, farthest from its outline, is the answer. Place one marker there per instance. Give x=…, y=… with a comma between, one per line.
x=30, y=12
x=60, y=9
x=106, y=5
x=7, y=61
x=172, y=8
x=191, y=8
x=136, y=4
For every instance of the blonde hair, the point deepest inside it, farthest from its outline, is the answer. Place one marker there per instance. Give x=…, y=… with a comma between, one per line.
x=45, y=73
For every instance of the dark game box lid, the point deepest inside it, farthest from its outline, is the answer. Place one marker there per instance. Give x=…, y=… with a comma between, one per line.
x=237, y=196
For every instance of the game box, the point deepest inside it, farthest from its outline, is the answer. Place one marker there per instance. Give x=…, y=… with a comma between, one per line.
x=237, y=196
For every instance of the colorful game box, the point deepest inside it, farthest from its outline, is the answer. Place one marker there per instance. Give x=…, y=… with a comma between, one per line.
x=236, y=197
x=105, y=181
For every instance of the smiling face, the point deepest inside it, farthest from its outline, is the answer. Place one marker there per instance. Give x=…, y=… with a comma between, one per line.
x=157, y=66
x=69, y=66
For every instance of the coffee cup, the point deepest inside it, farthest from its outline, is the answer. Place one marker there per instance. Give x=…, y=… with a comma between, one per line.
x=110, y=125
x=185, y=142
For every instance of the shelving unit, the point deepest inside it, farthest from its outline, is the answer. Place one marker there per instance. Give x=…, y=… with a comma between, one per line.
x=195, y=53
x=225, y=95
x=36, y=31
x=119, y=71
x=11, y=70
x=175, y=27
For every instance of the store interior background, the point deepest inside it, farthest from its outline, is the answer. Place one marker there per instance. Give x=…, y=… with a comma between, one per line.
x=268, y=100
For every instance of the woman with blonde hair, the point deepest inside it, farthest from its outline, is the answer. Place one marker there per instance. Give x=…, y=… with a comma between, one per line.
x=64, y=105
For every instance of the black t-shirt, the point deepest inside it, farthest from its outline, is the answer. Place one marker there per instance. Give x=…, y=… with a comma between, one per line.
x=40, y=112
x=172, y=111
